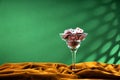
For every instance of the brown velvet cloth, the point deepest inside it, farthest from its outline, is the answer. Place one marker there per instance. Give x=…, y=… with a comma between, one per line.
x=59, y=71
x=97, y=70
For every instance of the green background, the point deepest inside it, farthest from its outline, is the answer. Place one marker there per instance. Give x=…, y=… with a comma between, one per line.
x=29, y=30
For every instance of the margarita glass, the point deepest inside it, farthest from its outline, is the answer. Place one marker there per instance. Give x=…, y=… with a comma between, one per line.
x=73, y=38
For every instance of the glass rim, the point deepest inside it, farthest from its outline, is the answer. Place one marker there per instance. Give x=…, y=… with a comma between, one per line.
x=72, y=34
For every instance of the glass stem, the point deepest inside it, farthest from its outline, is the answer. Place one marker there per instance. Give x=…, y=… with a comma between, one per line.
x=73, y=58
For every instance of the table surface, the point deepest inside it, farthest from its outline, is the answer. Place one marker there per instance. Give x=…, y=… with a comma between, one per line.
x=87, y=79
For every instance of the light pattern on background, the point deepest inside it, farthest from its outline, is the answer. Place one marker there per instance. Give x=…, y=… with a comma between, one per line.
x=106, y=40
